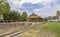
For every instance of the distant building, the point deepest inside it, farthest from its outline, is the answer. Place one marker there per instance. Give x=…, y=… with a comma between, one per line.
x=53, y=20
x=35, y=18
x=59, y=18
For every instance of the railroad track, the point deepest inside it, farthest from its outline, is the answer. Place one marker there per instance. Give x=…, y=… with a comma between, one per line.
x=17, y=32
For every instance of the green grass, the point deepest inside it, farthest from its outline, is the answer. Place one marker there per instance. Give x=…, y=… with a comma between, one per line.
x=53, y=26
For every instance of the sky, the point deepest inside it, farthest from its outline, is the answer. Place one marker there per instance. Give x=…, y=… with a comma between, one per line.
x=42, y=8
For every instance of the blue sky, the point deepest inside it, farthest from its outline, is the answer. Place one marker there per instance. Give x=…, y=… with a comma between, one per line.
x=42, y=8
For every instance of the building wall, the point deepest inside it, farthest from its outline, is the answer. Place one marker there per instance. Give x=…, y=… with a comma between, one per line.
x=35, y=20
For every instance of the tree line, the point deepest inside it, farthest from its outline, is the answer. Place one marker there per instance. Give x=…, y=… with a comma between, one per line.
x=53, y=17
x=15, y=16
x=11, y=15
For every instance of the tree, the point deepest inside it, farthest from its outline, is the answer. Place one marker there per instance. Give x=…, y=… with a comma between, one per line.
x=54, y=17
x=12, y=15
x=45, y=19
x=24, y=16
x=58, y=14
x=5, y=16
x=50, y=17
x=4, y=6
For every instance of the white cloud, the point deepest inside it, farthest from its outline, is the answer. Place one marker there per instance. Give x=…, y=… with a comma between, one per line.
x=47, y=11
x=15, y=2
x=36, y=1
x=19, y=2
